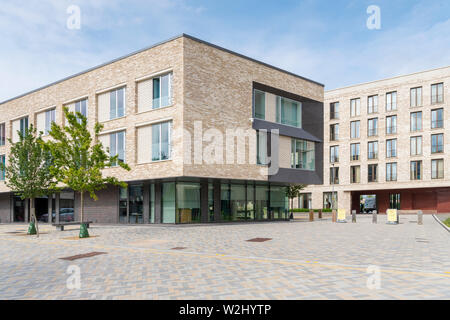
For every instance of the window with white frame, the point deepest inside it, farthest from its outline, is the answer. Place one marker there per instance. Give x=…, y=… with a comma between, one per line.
x=19, y=127
x=117, y=103
x=391, y=101
x=162, y=91
x=161, y=141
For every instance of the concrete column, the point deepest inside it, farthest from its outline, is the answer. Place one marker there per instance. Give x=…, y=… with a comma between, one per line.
x=57, y=198
x=374, y=216
x=353, y=216
x=204, y=208
x=217, y=201
x=420, y=217
x=146, y=199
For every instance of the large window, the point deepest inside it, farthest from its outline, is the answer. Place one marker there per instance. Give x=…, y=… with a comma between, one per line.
x=289, y=112
x=391, y=125
x=334, y=110
x=391, y=101
x=305, y=201
x=278, y=202
x=161, y=141
x=355, y=107
x=437, y=169
x=416, y=170
x=416, y=146
x=168, y=202
x=261, y=202
x=372, y=127
x=334, y=154
x=162, y=91
x=355, y=151
x=354, y=129
x=303, y=154
x=117, y=103
x=372, y=173
x=416, y=121
x=372, y=150
x=260, y=104
x=117, y=145
x=2, y=134
x=437, y=118
x=81, y=107
x=394, y=201
x=2, y=172
x=391, y=148
x=391, y=171
x=437, y=143
x=416, y=97
x=330, y=200
x=437, y=93
x=334, y=175
x=355, y=174
x=188, y=202
x=50, y=116
x=334, y=132
x=261, y=148
x=372, y=104
x=19, y=127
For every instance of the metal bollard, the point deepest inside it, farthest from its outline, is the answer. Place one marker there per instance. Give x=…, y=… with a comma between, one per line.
x=374, y=216
x=420, y=217
x=320, y=213
x=311, y=215
x=353, y=216
x=333, y=216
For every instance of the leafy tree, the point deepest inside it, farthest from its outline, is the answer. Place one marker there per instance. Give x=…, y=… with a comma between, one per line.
x=292, y=192
x=79, y=160
x=27, y=173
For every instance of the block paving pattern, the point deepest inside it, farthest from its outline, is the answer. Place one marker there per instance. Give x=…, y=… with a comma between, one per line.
x=304, y=260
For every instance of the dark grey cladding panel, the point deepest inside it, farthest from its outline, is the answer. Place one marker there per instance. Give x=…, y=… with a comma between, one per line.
x=284, y=130
x=296, y=176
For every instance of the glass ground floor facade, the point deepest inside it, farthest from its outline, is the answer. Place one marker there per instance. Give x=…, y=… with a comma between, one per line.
x=174, y=201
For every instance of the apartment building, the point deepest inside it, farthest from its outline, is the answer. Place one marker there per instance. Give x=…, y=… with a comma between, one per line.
x=210, y=136
x=387, y=146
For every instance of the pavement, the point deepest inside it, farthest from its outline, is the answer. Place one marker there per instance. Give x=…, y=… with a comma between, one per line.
x=303, y=260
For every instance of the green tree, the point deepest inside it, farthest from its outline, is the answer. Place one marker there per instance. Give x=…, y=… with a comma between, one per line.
x=292, y=192
x=79, y=160
x=27, y=173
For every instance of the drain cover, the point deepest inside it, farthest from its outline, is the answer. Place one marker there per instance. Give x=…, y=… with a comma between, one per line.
x=81, y=256
x=259, y=240
x=178, y=248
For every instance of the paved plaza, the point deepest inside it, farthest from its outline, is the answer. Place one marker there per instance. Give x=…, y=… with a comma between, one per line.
x=303, y=260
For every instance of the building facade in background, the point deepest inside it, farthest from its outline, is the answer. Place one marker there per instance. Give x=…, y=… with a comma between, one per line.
x=173, y=112
x=387, y=146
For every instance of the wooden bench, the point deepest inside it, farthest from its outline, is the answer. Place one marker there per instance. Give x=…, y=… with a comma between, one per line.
x=61, y=225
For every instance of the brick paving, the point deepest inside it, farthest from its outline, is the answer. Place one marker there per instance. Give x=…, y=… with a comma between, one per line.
x=304, y=260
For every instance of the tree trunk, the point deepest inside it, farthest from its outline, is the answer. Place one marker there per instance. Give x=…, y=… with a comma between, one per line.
x=82, y=206
x=33, y=216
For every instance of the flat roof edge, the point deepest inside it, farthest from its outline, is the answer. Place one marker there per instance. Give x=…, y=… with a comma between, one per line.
x=153, y=46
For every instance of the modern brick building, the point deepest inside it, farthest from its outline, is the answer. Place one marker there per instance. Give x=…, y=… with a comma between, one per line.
x=169, y=111
x=386, y=145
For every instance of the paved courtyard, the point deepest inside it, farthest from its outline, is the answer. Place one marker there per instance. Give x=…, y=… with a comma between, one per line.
x=304, y=260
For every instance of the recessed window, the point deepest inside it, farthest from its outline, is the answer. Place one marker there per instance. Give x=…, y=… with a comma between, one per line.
x=260, y=104
x=416, y=97
x=437, y=143
x=437, y=118
x=19, y=127
x=261, y=148
x=117, y=103
x=81, y=107
x=391, y=125
x=372, y=150
x=372, y=104
x=2, y=172
x=354, y=151
x=302, y=154
x=437, y=93
x=416, y=170
x=416, y=146
x=334, y=154
x=354, y=129
x=391, y=171
x=372, y=173
x=162, y=91
x=437, y=169
x=372, y=127
x=334, y=175
x=391, y=148
x=2, y=134
x=355, y=107
x=416, y=121
x=161, y=141
x=334, y=110
x=289, y=112
x=117, y=146
x=355, y=174
x=391, y=101
x=334, y=132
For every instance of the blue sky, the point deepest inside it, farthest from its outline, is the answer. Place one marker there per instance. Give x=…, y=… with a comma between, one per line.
x=327, y=41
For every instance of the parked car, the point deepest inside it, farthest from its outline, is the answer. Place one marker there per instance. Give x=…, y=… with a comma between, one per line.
x=65, y=215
